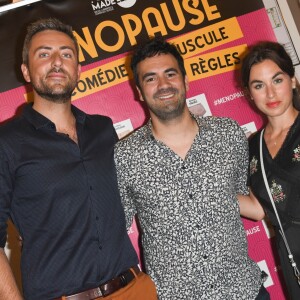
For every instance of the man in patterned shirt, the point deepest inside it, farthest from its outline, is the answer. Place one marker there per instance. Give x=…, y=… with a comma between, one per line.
x=180, y=175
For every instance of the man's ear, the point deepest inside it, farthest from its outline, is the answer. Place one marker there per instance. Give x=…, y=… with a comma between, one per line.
x=140, y=94
x=25, y=71
x=78, y=72
x=186, y=82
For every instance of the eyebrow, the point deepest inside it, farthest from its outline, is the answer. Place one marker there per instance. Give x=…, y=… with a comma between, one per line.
x=258, y=81
x=278, y=73
x=153, y=73
x=148, y=74
x=50, y=48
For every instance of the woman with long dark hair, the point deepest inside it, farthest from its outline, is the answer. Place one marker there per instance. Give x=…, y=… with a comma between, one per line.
x=269, y=78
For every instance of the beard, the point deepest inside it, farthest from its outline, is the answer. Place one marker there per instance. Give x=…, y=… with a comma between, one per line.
x=169, y=111
x=57, y=92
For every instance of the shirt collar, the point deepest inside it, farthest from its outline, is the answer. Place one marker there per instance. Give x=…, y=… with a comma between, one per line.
x=39, y=121
x=200, y=121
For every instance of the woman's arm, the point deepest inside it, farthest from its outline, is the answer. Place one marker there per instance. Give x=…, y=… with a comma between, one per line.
x=250, y=207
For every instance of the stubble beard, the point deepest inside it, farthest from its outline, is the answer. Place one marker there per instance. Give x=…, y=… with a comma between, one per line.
x=56, y=93
x=170, y=111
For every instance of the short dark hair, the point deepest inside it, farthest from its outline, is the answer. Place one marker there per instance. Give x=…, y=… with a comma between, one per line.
x=42, y=25
x=155, y=46
x=274, y=52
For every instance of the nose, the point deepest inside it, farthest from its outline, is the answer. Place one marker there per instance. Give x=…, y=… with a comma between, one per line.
x=57, y=60
x=270, y=91
x=163, y=82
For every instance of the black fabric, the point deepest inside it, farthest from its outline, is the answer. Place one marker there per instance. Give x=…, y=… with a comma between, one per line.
x=64, y=200
x=283, y=175
x=263, y=294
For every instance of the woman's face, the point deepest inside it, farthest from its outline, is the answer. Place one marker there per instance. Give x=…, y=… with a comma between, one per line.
x=270, y=88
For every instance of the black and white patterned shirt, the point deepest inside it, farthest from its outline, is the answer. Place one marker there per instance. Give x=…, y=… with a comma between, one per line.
x=194, y=243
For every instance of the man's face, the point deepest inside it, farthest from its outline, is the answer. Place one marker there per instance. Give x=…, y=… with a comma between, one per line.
x=162, y=86
x=53, y=69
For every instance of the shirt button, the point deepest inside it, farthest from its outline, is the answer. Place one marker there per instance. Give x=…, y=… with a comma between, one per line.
x=52, y=126
x=100, y=247
x=183, y=167
x=97, y=218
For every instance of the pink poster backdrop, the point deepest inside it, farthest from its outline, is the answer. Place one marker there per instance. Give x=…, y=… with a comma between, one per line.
x=106, y=86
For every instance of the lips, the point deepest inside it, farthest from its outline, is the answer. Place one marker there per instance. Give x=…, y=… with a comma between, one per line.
x=165, y=94
x=273, y=104
x=56, y=74
x=166, y=97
